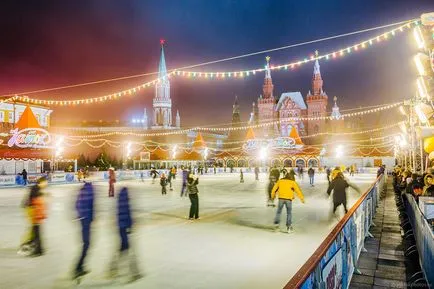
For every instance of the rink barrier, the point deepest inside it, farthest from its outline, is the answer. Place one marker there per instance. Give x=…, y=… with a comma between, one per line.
x=332, y=265
x=423, y=234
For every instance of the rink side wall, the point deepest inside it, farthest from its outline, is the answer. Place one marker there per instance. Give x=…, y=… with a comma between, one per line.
x=332, y=265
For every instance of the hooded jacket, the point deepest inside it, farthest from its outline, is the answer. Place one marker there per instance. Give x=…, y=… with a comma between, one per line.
x=84, y=203
x=124, y=211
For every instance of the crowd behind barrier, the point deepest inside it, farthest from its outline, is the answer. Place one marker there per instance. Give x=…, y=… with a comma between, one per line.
x=422, y=234
x=61, y=177
x=332, y=265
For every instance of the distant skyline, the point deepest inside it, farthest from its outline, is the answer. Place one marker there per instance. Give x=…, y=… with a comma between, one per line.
x=55, y=43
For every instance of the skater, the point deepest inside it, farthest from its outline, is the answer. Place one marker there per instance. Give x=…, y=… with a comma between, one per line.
x=79, y=175
x=24, y=174
x=256, y=173
x=193, y=194
x=300, y=172
x=85, y=209
x=34, y=205
x=285, y=189
x=185, y=174
x=125, y=223
x=112, y=181
x=154, y=173
x=352, y=170
x=271, y=183
x=334, y=173
x=169, y=180
x=339, y=187
x=241, y=176
x=173, y=172
x=311, y=173
x=215, y=169
x=163, y=183
x=142, y=176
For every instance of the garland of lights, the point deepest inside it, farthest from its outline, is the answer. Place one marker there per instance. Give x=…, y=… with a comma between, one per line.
x=229, y=129
x=219, y=74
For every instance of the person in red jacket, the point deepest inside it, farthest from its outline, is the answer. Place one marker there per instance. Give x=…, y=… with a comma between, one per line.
x=37, y=203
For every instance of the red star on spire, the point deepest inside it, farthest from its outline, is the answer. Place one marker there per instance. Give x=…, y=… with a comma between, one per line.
x=162, y=41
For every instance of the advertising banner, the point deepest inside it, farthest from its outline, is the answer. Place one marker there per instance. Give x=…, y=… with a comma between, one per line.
x=7, y=180
x=58, y=177
x=332, y=272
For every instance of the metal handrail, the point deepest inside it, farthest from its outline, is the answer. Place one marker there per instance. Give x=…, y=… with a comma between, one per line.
x=310, y=265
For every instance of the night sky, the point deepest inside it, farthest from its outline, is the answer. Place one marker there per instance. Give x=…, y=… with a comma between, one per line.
x=55, y=43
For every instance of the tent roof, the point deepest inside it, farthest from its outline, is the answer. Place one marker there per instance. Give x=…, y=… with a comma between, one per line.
x=294, y=134
x=27, y=120
x=250, y=134
x=199, y=142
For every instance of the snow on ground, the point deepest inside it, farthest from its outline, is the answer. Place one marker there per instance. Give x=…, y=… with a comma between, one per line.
x=232, y=246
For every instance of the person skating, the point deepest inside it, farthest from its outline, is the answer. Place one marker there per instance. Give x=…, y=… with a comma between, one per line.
x=112, y=181
x=339, y=187
x=125, y=225
x=256, y=173
x=27, y=245
x=154, y=174
x=84, y=206
x=300, y=172
x=38, y=214
x=285, y=189
x=352, y=170
x=328, y=174
x=185, y=174
x=163, y=183
x=241, y=176
x=334, y=173
x=193, y=194
x=169, y=179
x=311, y=173
x=24, y=174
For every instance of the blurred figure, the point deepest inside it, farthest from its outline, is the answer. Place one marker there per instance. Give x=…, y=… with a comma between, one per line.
x=352, y=170
x=85, y=209
x=79, y=175
x=32, y=206
x=193, y=194
x=285, y=189
x=311, y=173
x=163, y=183
x=185, y=174
x=169, y=179
x=142, y=176
x=154, y=174
x=417, y=191
x=339, y=187
x=112, y=181
x=256, y=173
x=24, y=174
x=274, y=176
x=300, y=172
x=241, y=176
x=37, y=211
x=381, y=170
x=328, y=174
x=125, y=223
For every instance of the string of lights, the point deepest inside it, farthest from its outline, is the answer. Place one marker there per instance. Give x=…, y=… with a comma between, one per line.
x=220, y=60
x=219, y=74
x=238, y=128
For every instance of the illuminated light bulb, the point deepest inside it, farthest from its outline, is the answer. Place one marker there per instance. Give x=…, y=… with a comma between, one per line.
x=386, y=35
x=348, y=49
x=393, y=32
x=378, y=39
x=370, y=41
x=254, y=72
x=334, y=54
x=206, y=75
x=292, y=65
x=423, y=91
x=419, y=65
x=211, y=75
x=418, y=36
x=341, y=53
x=401, y=28
x=229, y=74
x=363, y=45
x=402, y=110
x=235, y=74
x=356, y=47
x=327, y=57
x=306, y=60
x=247, y=73
x=408, y=25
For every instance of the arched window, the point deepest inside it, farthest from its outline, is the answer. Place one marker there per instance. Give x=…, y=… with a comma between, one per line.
x=242, y=163
x=312, y=163
x=300, y=162
x=287, y=163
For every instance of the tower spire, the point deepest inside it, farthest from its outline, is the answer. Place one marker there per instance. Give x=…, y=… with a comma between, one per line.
x=162, y=70
x=267, y=67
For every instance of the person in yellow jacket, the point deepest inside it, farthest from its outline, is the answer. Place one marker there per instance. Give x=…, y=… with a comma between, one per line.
x=285, y=189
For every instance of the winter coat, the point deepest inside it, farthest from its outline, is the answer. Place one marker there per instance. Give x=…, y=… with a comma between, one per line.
x=163, y=182
x=275, y=173
x=185, y=174
x=112, y=177
x=124, y=211
x=285, y=188
x=311, y=172
x=192, y=186
x=339, y=187
x=84, y=203
x=38, y=210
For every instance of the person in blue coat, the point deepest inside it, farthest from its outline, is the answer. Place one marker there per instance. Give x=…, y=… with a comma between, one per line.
x=85, y=209
x=125, y=224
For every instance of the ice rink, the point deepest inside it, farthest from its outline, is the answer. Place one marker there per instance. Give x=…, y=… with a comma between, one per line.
x=231, y=246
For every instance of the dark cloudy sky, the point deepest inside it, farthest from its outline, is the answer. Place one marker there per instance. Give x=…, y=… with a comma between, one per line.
x=54, y=43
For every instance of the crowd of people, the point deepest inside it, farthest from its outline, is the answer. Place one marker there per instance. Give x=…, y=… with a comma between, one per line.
x=413, y=183
x=282, y=186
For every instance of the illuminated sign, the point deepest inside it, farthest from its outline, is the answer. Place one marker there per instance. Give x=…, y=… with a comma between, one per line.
x=29, y=138
x=278, y=143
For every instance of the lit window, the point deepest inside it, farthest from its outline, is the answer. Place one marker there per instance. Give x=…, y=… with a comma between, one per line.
x=11, y=116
